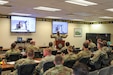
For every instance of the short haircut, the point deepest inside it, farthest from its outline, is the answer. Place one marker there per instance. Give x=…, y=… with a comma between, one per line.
x=85, y=44
x=80, y=69
x=67, y=44
x=58, y=59
x=13, y=45
x=30, y=52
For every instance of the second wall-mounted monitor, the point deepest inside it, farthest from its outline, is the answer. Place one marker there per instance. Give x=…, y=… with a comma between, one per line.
x=23, y=24
x=62, y=27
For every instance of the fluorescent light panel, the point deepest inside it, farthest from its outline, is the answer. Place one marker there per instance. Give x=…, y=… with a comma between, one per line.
x=47, y=8
x=3, y=2
x=78, y=19
x=81, y=2
x=52, y=17
x=23, y=14
x=111, y=9
x=106, y=17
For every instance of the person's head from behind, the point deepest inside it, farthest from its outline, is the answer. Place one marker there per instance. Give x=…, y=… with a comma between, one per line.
x=80, y=69
x=32, y=42
x=50, y=44
x=58, y=60
x=46, y=51
x=13, y=45
x=85, y=45
x=67, y=44
x=30, y=53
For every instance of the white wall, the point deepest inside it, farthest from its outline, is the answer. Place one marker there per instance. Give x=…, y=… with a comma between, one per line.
x=42, y=35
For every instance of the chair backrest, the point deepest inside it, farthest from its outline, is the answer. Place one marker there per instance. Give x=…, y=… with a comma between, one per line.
x=38, y=55
x=93, y=72
x=14, y=57
x=65, y=51
x=85, y=60
x=69, y=63
x=111, y=70
x=48, y=65
x=27, y=69
x=104, y=71
x=54, y=52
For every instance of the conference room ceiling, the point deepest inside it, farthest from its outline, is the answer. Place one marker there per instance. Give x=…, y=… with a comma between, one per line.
x=68, y=11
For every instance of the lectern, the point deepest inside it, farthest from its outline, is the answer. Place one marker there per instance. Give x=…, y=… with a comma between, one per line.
x=59, y=43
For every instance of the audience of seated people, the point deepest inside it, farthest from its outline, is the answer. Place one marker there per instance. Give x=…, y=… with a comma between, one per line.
x=59, y=69
x=13, y=50
x=84, y=53
x=47, y=58
x=23, y=61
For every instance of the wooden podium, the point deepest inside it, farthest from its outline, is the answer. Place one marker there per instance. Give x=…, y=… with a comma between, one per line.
x=59, y=43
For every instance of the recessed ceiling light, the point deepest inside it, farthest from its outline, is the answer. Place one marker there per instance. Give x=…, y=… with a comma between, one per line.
x=81, y=2
x=78, y=19
x=3, y=2
x=22, y=14
x=111, y=9
x=47, y=8
x=53, y=17
x=106, y=17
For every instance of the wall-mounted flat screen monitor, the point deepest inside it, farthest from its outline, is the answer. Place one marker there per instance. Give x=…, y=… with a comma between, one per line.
x=23, y=24
x=62, y=27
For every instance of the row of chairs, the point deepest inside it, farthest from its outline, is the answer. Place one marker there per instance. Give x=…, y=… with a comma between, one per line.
x=103, y=71
x=49, y=65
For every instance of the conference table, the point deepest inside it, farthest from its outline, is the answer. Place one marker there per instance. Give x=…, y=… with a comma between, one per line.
x=10, y=65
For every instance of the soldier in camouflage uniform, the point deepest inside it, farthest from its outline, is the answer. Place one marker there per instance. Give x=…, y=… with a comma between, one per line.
x=48, y=57
x=70, y=55
x=84, y=53
x=13, y=50
x=59, y=69
x=23, y=61
x=32, y=45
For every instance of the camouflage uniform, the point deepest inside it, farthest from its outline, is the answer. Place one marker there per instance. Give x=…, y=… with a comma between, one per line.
x=12, y=51
x=39, y=68
x=91, y=45
x=97, y=55
x=70, y=56
x=83, y=54
x=106, y=49
x=22, y=62
x=33, y=47
x=59, y=70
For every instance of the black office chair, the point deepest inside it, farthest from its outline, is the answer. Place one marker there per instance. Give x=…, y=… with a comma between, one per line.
x=48, y=65
x=0, y=70
x=38, y=55
x=65, y=51
x=27, y=69
x=84, y=60
x=54, y=52
x=14, y=57
x=104, y=71
x=69, y=63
